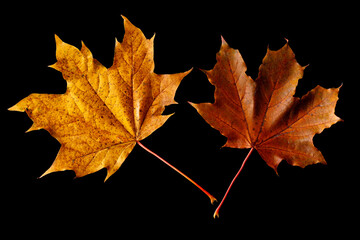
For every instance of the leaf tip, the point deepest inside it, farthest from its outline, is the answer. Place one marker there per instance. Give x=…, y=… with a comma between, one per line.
x=19, y=107
x=33, y=127
x=191, y=103
x=14, y=108
x=53, y=66
x=223, y=42
x=304, y=67
x=83, y=46
x=205, y=71
x=126, y=21
x=116, y=42
x=45, y=173
x=338, y=88
x=123, y=17
x=106, y=178
x=184, y=74
x=58, y=40
x=153, y=37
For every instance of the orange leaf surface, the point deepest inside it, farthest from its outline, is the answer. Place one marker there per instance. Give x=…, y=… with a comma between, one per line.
x=104, y=112
x=263, y=114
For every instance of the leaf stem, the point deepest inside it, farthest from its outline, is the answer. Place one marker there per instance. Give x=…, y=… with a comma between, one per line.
x=212, y=199
x=216, y=213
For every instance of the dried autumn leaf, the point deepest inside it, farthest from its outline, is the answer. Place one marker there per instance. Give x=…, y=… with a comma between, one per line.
x=263, y=114
x=104, y=112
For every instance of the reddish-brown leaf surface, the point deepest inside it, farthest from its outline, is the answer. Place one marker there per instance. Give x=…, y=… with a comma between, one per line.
x=263, y=114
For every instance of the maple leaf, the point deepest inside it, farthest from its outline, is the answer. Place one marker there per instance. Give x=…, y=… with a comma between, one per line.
x=263, y=114
x=104, y=112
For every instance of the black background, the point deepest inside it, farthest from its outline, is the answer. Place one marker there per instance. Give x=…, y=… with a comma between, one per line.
x=144, y=190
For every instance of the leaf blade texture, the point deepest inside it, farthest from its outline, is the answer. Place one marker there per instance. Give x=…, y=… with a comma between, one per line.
x=103, y=112
x=262, y=113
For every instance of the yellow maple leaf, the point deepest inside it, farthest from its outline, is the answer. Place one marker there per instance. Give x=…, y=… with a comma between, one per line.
x=104, y=112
